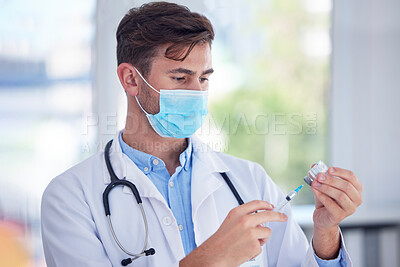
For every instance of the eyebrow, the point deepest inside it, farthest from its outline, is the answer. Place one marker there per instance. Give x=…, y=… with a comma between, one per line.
x=190, y=72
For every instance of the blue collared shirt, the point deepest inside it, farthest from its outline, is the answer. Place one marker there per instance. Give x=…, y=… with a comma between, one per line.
x=338, y=262
x=175, y=189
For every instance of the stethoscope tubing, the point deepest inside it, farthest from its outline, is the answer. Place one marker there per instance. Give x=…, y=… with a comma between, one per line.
x=118, y=182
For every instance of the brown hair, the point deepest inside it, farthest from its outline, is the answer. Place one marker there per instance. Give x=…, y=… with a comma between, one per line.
x=143, y=30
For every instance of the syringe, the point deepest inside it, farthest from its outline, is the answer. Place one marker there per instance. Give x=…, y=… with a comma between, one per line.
x=288, y=198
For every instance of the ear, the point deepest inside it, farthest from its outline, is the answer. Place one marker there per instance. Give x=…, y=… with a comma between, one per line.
x=129, y=78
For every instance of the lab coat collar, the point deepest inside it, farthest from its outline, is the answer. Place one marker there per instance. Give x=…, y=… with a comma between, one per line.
x=207, y=156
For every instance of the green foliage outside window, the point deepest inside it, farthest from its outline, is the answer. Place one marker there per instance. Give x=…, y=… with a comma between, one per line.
x=278, y=115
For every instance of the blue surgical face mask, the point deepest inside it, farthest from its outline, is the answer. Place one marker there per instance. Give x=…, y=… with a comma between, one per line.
x=182, y=112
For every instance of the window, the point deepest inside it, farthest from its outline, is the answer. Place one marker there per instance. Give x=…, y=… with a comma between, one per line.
x=45, y=87
x=268, y=98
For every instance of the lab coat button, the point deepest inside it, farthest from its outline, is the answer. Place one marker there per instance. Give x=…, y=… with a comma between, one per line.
x=167, y=220
x=171, y=184
x=180, y=227
x=146, y=169
x=155, y=161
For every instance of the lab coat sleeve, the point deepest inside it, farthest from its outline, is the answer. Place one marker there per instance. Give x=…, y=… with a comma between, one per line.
x=68, y=230
x=343, y=254
x=287, y=246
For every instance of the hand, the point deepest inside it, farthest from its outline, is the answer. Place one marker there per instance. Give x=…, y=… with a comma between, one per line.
x=335, y=199
x=239, y=238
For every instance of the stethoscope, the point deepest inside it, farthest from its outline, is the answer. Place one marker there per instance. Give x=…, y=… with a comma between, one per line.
x=115, y=181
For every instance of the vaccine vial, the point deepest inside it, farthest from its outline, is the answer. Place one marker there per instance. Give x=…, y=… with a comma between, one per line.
x=313, y=172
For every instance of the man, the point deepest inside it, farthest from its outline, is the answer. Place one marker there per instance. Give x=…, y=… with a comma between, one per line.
x=192, y=212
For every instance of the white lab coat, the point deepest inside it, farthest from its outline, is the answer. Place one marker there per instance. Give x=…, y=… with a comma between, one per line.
x=75, y=231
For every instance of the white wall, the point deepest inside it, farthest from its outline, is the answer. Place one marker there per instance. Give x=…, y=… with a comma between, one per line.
x=365, y=124
x=108, y=98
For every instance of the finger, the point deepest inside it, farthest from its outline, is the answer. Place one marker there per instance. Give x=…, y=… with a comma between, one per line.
x=262, y=233
x=252, y=206
x=328, y=202
x=262, y=241
x=346, y=175
x=342, y=185
x=339, y=196
x=267, y=216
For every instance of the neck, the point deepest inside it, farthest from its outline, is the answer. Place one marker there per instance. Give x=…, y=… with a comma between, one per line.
x=139, y=135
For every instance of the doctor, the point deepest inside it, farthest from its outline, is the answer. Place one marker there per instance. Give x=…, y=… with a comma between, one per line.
x=193, y=215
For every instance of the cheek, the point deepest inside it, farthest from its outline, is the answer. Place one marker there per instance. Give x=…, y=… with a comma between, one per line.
x=153, y=100
x=150, y=100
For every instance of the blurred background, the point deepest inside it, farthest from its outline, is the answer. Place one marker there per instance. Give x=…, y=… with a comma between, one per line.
x=295, y=82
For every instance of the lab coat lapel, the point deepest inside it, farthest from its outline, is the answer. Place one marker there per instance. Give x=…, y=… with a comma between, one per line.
x=148, y=190
x=124, y=168
x=205, y=181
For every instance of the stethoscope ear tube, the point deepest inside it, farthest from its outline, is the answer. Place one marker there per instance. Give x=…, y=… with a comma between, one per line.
x=105, y=199
x=150, y=251
x=127, y=261
x=232, y=187
x=108, y=163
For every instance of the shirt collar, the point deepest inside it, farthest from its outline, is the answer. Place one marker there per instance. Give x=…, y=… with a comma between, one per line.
x=146, y=162
x=186, y=157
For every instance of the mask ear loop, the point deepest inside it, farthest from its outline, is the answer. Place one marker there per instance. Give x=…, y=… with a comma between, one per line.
x=145, y=80
x=141, y=106
x=148, y=85
x=151, y=88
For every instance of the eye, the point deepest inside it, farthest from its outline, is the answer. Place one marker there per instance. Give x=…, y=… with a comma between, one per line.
x=203, y=80
x=179, y=79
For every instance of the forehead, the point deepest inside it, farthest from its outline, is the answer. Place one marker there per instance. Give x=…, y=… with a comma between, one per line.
x=198, y=59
